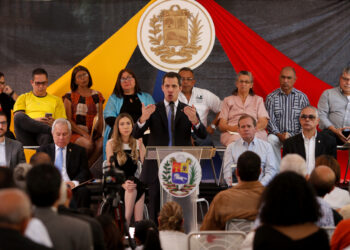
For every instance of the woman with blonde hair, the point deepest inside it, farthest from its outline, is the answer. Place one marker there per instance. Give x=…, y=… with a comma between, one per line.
x=123, y=151
x=171, y=231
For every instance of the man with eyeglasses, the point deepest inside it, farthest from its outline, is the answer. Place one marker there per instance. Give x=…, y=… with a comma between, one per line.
x=334, y=108
x=36, y=111
x=284, y=106
x=11, y=151
x=203, y=100
x=309, y=143
x=7, y=99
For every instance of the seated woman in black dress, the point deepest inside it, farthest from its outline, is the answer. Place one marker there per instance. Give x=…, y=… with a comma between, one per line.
x=125, y=150
x=288, y=216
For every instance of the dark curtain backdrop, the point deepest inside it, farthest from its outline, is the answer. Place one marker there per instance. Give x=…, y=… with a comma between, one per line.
x=57, y=34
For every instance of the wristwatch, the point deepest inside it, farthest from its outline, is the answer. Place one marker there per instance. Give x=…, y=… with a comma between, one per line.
x=213, y=126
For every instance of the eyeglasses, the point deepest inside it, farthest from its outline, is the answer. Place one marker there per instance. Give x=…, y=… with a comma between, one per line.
x=187, y=79
x=82, y=76
x=40, y=83
x=126, y=79
x=311, y=117
x=3, y=123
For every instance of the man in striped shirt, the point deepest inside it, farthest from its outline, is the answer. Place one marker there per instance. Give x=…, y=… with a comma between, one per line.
x=284, y=106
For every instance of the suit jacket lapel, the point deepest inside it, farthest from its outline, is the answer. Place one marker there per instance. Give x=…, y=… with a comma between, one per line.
x=8, y=151
x=318, y=145
x=162, y=113
x=180, y=106
x=302, y=143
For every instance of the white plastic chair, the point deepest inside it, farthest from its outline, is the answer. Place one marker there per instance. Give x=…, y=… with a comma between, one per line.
x=215, y=240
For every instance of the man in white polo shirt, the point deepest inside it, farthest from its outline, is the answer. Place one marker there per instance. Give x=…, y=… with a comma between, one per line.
x=203, y=100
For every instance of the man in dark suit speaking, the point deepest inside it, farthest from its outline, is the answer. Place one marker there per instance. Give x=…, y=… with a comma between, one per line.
x=170, y=123
x=70, y=159
x=310, y=143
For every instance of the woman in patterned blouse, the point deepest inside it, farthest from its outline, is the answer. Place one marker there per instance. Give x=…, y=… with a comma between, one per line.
x=82, y=105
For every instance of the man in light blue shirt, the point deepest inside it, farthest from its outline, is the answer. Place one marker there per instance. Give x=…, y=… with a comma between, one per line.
x=248, y=141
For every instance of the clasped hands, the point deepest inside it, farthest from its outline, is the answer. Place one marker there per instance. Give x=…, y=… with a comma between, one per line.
x=339, y=133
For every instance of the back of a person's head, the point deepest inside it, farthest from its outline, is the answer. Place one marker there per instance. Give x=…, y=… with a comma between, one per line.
x=147, y=234
x=289, y=200
x=20, y=174
x=329, y=161
x=294, y=163
x=322, y=179
x=248, y=166
x=43, y=185
x=112, y=237
x=6, y=178
x=40, y=158
x=15, y=209
x=171, y=217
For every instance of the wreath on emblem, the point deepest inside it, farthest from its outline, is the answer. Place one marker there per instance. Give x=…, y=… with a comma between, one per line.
x=166, y=52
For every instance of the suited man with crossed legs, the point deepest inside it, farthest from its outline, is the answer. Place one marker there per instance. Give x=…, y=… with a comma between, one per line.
x=170, y=122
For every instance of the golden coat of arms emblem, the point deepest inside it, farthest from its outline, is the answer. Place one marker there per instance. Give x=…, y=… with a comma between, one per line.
x=174, y=34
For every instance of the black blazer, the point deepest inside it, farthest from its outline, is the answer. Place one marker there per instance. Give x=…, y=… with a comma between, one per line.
x=159, y=136
x=158, y=124
x=325, y=144
x=76, y=161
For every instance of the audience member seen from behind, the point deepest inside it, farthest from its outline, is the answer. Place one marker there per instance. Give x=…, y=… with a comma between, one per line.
x=82, y=105
x=112, y=237
x=341, y=236
x=15, y=213
x=294, y=163
x=322, y=179
x=242, y=101
x=127, y=97
x=35, y=112
x=7, y=99
x=43, y=186
x=171, y=231
x=240, y=201
x=147, y=235
x=288, y=216
x=122, y=150
x=338, y=197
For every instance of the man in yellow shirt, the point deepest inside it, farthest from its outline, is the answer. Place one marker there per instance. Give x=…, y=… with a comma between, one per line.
x=36, y=111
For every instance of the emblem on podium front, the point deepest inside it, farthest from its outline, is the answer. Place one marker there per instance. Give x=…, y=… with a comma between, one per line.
x=175, y=34
x=179, y=174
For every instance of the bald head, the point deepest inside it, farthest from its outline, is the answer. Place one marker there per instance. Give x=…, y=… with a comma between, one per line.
x=40, y=158
x=15, y=209
x=322, y=179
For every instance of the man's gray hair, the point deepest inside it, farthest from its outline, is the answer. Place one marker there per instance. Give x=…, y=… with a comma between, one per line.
x=294, y=163
x=311, y=107
x=346, y=70
x=15, y=206
x=20, y=174
x=61, y=121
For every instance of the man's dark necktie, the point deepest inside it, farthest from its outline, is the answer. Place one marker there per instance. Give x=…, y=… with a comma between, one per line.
x=171, y=117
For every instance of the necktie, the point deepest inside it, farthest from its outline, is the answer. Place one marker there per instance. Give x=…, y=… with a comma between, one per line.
x=59, y=159
x=171, y=116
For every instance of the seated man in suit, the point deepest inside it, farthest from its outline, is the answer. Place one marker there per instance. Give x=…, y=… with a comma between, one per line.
x=170, y=122
x=70, y=159
x=15, y=213
x=248, y=141
x=45, y=188
x=309, y=143
x=240, y=201
x=35, y=112
x=11, y=151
